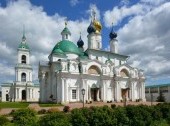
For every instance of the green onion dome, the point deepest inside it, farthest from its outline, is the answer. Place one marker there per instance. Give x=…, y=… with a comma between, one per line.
x=65, y=47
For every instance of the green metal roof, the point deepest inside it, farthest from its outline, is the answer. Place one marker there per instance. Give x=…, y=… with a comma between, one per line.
x=66, y=31
x=157, y=85
x=65, y=46
x=58, y=51
x=23, y=46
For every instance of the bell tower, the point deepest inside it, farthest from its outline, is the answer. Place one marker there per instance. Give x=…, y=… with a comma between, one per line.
x=23, y=69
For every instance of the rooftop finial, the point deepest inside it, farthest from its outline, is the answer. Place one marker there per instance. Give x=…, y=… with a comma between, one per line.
x=80, y=33
x=94, y=14
x=23, y=37
x=112, y=26
x=66, y=22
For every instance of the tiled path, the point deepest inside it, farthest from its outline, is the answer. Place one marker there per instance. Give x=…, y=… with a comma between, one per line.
x=35, y=106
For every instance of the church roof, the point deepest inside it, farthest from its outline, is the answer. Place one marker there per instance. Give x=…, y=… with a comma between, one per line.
x=157, y=85
x=23, y=46
x=107, y=52
x=66, y=31
x=65, y=46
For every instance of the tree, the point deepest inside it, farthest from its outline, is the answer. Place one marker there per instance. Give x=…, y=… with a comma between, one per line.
x=161, y=97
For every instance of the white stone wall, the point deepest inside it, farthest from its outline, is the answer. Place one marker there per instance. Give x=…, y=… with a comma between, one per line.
x=155, y=95
x=114, y=46
x=61, y=83
x=5, y=90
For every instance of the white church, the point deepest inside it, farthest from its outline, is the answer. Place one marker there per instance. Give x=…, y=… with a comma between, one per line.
x=22, y=89
x=105, y=75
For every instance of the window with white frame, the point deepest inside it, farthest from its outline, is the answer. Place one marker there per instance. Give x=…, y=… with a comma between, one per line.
x=74, y=94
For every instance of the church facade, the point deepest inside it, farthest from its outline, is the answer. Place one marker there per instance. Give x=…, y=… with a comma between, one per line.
x=22, y=89
x=105, y=75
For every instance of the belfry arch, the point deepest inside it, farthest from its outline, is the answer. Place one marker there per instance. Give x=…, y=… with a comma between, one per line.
x=94, y=70
x=124, y=73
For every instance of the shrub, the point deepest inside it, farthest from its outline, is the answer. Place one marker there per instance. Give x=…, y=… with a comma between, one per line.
x=66, y=109
x=139, y=115
x=113, y=106
x=42, y=111
x=55, y=119
x=121, y=116
x=24, y=117
x=3, y=121
x=53, y=110
x=159, y=123
x=80, y=117
x=12, y=112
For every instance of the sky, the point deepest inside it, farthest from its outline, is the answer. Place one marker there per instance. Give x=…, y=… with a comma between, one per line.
x=143, y=28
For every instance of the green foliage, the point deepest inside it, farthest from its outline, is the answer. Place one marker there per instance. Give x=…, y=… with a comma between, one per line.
x=165, y=110
x=55, y=119
x=161, y=97
x=80, y=117
x=139, y=115
x=159, y=123
x=93, y=116
x=3, y=121
x=13, y=104
x=121, y=116
x=24, y=117
x=49, y=105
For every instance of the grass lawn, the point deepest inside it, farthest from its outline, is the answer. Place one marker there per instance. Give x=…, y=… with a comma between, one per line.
x=49, y=104
x=13, y=104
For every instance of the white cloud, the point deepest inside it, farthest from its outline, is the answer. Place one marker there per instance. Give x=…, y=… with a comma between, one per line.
x=74, y=2
x=153, y=2
x=145, y=38
x=116, y=15
x=42, y=33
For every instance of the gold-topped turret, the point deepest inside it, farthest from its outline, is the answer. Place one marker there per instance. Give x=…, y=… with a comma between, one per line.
x=97, y=26
x=96, y=23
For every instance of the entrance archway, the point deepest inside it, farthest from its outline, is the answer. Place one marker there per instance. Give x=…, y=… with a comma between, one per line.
x=125, y=93
x=23, y=94
x=7, y=97
x=95, y=92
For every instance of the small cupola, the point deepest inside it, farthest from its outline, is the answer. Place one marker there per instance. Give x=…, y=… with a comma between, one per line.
x=66, y=34
x=91, y=28
x=112, y=34
x=23, y=44
x=80, y=42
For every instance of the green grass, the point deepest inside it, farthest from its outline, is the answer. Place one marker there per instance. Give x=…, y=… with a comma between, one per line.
x=13, y=104
x=49, y=104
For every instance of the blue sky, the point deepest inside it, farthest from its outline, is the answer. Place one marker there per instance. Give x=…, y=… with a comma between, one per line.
x=142, y=26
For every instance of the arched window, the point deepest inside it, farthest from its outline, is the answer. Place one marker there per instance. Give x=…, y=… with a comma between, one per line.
x=94, y=70
x=23, y=77
x=124, y=73
x=66, y=36
x=23, y=59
